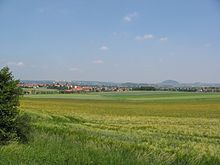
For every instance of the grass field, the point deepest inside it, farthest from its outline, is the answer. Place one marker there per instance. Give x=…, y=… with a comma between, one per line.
x=120, y=128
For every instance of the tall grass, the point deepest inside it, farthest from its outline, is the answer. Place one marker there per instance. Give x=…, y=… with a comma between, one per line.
x=118, y=130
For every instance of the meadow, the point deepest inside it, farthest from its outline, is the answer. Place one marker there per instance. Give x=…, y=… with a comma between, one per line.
x=120, y=128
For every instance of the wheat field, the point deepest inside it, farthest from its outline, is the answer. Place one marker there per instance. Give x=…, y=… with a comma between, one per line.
x=120, y=128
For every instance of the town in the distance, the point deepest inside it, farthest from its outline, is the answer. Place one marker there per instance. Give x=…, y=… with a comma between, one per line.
x=62, y=87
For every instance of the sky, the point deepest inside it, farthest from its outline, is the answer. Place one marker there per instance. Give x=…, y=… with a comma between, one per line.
x=111, y=40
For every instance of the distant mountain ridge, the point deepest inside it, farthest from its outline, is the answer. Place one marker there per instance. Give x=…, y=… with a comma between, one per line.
x=169, y=83
x=164, y=84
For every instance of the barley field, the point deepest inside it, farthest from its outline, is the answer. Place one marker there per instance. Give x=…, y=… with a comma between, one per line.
x=125, y=128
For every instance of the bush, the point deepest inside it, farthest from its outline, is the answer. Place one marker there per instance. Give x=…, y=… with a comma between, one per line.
x=23, y=127
x=13, y=125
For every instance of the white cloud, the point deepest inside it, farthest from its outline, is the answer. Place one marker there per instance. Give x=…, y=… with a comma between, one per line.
x=98, y=62
x=74, y=69
x=208, y=45
x=42, y=10
x=160, y=60
x=130, y=17
x=115, y=33
x=163, y=39
x=145, y=37
x=121, y=35
x=104, y=48
x=151, y=37
x=148, y=36
x=127, y=18
x=64, y=11
x=15, y=64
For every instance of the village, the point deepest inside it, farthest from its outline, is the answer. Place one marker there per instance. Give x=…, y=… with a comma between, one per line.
x=56, y=88
x=68, y=88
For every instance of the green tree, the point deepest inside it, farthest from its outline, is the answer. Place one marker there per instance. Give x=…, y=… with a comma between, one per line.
x=13, y=125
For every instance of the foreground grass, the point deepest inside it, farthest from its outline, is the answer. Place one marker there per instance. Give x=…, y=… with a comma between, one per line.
x=126, y=128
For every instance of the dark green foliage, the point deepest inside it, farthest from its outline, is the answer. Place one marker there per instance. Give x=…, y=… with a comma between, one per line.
x=23, y=127
x=145, y=88
x=11, y=127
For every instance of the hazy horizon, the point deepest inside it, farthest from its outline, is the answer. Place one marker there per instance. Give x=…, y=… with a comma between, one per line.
x=23, y=80
x=128, y=41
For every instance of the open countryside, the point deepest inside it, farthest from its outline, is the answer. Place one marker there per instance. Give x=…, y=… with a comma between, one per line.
x=109, y=82
x=120, y=128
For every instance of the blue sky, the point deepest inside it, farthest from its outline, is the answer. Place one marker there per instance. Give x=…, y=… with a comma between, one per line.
x=126, y=40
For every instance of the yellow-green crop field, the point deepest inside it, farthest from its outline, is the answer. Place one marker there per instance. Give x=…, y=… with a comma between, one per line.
x=120, y=128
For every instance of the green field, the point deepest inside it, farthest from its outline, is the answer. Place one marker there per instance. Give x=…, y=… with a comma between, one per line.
x=120, y=128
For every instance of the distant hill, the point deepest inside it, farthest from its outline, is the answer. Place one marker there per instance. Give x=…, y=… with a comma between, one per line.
x=169, y=83
x=129, y=84
x=95, y=83
x=200, y=84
